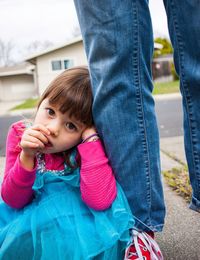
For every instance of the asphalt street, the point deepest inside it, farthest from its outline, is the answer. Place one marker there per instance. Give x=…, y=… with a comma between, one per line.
x=5, y=122
x=169, y=116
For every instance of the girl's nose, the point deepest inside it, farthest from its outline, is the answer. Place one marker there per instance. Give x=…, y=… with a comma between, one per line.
x=53, y=128
x=54, y=133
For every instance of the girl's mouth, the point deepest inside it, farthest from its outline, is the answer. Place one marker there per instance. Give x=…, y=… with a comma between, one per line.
x=49, y=144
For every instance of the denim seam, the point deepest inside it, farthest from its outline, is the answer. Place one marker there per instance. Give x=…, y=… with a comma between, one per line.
x=185, y=91
x=139, y=102
x=154, y=228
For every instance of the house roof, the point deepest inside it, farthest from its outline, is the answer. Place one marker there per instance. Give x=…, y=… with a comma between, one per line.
x=18, y=69
x=68, y=43
x=51, y=49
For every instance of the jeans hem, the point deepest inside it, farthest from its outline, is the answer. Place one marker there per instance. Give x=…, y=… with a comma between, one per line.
x=155, y=228
x=195, y=204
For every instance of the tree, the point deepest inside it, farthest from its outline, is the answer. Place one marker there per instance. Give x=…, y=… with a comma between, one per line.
x=166, y=49
x=6, y=51
x=37, y=46
x=32, y=48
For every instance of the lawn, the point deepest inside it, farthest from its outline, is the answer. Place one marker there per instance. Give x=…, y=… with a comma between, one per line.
x=29, y=103
x=166, y=87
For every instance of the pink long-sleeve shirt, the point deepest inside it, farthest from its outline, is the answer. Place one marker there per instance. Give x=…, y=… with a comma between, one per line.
x=97, y=182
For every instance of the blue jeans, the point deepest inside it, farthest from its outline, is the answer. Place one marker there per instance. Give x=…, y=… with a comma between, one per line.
x=118, y=40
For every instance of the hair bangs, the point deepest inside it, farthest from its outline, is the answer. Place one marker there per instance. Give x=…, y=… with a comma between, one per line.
x=71, y=92
x=73, y=100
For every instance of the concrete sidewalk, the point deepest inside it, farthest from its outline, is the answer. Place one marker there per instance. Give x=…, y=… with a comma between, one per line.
x=180, y=238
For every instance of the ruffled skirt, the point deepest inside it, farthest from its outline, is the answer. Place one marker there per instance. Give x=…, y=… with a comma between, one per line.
x=58, y=225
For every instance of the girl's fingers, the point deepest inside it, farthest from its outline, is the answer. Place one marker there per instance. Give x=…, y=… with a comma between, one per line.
x=36, y=134
x=41, y=128
x=29, y=145
x=31, y=140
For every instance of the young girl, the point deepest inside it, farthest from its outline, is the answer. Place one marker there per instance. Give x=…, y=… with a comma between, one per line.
x=60, y=199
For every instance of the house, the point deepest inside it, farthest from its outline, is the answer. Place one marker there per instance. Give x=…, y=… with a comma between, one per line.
x=32, y=77
x=51, y=62
x=162, y=68
x=17, y=82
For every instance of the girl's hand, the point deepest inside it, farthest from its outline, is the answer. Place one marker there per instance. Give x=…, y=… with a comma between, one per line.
x=88, y=132
x=34, y=139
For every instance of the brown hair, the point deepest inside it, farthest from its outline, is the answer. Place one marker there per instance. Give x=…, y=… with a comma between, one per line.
x=71, y=92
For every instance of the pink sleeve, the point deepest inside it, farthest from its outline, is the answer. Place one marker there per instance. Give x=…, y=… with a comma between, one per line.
x=97, y=182
x=17, y=184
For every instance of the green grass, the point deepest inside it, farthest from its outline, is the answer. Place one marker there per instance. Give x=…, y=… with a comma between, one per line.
x=29, y=103
x=166, y=87
x=178, y=180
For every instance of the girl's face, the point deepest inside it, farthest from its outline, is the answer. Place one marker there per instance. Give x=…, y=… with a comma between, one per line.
x=65, y=132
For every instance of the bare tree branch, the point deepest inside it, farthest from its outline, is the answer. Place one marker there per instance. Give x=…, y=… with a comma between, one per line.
x=37, y=46
x=6, y=49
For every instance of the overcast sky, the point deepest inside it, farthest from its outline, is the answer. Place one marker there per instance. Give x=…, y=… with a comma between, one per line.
x=24, y=21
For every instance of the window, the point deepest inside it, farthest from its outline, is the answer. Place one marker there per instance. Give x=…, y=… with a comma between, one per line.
x=68, y=64
x=61, y=64
x=56, y=65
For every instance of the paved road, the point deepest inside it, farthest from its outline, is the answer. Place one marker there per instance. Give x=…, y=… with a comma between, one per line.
x=5, y=122
x=169, y=114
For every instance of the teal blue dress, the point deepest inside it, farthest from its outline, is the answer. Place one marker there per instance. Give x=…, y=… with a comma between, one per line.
x=58, y=225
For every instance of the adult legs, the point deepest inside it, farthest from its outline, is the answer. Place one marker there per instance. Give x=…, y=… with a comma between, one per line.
x=119, y=45
x=184, y=28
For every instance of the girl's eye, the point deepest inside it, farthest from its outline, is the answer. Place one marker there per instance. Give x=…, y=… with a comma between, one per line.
x=70, y=126
x=50, y=111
